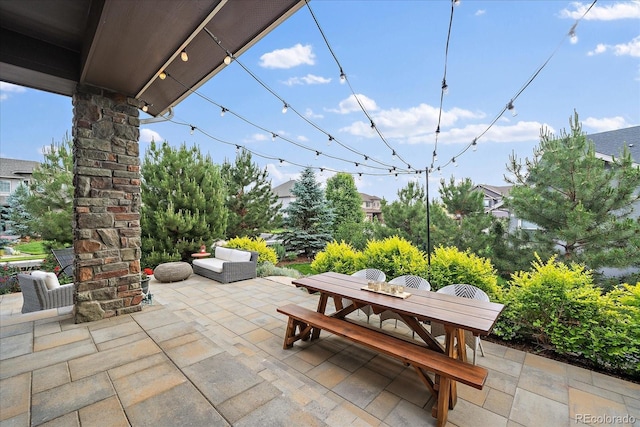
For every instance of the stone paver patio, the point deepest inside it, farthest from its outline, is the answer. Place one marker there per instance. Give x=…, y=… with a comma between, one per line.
x=206, y=354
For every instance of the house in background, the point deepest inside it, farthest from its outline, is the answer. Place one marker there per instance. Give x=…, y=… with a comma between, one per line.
x=371, y=207
x=13, y=173
x=370, y=204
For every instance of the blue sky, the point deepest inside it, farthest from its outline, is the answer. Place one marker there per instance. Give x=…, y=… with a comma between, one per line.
x=393, y=53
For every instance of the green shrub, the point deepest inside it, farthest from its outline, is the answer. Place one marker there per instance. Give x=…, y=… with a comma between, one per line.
x=449, y=266
x=268, y=269
x=559, y=306
x=265, y=253
x=338, y=257
x=395, y=256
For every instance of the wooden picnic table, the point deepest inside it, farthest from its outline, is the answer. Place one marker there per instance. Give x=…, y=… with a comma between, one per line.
x=457, y=314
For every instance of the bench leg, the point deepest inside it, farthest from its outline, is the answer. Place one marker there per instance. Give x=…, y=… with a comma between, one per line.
x=291, y=336
x=443, y=401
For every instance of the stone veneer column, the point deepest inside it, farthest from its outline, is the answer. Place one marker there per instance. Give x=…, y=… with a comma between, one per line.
x=106, y=219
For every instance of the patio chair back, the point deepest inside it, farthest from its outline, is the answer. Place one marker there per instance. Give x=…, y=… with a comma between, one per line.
x=371, y=274
x=411, y=281
x=65, y=258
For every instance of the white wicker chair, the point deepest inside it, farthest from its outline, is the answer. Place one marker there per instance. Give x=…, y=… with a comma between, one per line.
x=36, y=296
x=408, y=281
x=465, y=291
x=369, y=274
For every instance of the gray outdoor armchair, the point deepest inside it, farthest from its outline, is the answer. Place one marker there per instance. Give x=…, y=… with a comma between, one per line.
x=36, y=296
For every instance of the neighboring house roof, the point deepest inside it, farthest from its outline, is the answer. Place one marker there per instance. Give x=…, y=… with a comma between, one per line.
x=610, y=144
x=497, y=190
x=16, y=169
x=284, y=190
x=366, y=197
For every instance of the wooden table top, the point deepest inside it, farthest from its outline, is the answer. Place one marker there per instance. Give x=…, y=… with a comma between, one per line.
x=476, y=316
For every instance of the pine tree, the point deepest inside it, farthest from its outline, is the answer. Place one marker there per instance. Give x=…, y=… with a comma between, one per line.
x=580, y=204
x=253, y=207
x=19, y=219
x=308, y=217
x=51, y=200
x=345, y=201
x=183, y=203
x=466, y=206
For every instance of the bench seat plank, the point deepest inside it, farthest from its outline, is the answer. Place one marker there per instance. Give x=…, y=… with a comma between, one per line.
x=408, y=352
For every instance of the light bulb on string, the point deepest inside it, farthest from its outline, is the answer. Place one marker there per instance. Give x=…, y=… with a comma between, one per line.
x=273, y=136
x=145, y=107
x=456, y=2
x=438, y=129
x=453, y=160
x=285, y=107
x=396, y=177
x=321, y=171
x=439, y=171
x=435, y=156
x=193, y=128
x=373, y=127
x=357, y=164
x=330, y=139
x=573, y=37
x=237, y=149
x=162, y=75
x=366, y=158
x=512, y=109
x=445, y=87
x=317, y=154
x=474, y=144
x=184, y=56
x=343, y=77
x=228, y=59
x=360, y=177
x=222, y=111
x=393, y=154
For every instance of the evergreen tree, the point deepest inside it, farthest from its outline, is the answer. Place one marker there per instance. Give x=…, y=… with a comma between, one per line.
x=407, y=216
x=253, y=207
x=183, y=203
x=308, y=218
x=580, y=204
x=51, y=200
x=466, y=207
x=19, y=219
x=345, y=201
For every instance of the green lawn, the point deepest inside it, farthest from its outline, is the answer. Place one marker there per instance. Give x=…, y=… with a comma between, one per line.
x=304, y=268
x=31, y=248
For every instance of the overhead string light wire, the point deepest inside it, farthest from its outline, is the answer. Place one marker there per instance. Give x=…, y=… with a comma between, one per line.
x=444, y=88
x=344, y=78
x=288, y=106
x=276, y=135
x=282, y=160
x=510, y=105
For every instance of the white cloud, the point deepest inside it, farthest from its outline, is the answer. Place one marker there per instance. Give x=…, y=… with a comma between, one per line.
x=288, y=58
x=278, y=176
x=6, y=89
x=303, y=138
x=148, y=135
x=631, y=49
x=350, y=104
x=257, y=137
x=480, y=12
x=415, y=125
x=606, y=123
x=607, y=12
x=309, y=79
x=308, y=113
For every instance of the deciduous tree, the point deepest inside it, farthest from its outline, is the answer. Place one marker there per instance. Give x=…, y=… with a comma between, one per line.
x=345, y=201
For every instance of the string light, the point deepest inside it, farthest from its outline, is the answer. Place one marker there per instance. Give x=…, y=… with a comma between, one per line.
x=237, y=149
x=330, y=139
x=435, y=156
x=445, y=87
x=222, y=111
x=317, y=154
x=162, y=75
x=228, y=59
x=474, y=144
x=343, y=77
x=360, y=176
x=438, y=129
x=184, y=56
x=393, y=154
x=145, y=107
x=453, y=160
x=285, y=107
x=273, y=136
x=572, y=33
x=512, y=109
x=357, y=164
x=193, y=128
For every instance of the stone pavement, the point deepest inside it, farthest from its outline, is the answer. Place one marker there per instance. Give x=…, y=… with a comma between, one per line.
x=206, y=354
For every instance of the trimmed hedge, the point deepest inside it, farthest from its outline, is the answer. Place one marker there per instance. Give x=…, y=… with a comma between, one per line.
x=265, y=253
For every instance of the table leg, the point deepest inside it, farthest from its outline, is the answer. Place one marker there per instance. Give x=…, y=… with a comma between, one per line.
x=450, y=348
x=322, y=306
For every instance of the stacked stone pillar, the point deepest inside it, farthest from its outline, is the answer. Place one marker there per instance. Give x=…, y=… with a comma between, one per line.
x=106, y=219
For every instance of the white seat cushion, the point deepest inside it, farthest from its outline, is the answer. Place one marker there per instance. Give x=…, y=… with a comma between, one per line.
x=213, y=264
x=50, y=279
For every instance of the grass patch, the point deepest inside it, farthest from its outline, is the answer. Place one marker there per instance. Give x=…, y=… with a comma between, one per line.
x=304, y=268
x=33, y=248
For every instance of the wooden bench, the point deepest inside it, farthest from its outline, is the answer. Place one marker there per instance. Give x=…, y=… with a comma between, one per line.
x=302, y=321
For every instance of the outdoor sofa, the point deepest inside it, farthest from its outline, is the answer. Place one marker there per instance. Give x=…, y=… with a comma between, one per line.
x=227, y=265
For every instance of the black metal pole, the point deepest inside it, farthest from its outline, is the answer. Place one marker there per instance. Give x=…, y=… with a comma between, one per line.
x=428, y=226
